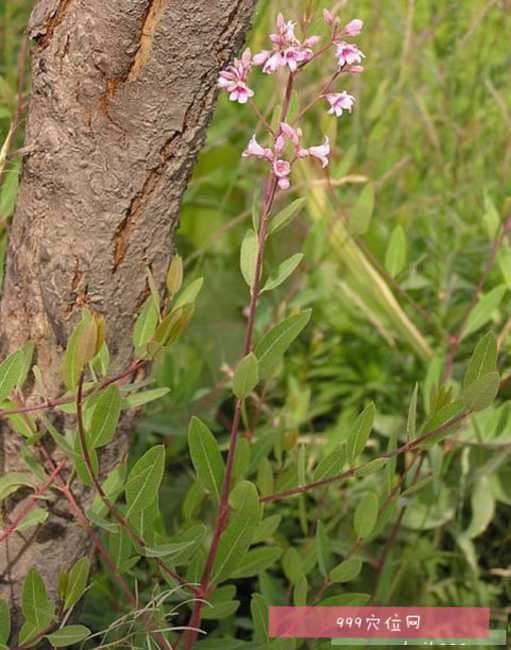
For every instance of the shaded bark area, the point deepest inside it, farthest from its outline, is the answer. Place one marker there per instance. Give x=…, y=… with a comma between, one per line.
x=121, y=97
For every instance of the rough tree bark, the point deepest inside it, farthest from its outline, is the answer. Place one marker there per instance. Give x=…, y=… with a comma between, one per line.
x=121, y=96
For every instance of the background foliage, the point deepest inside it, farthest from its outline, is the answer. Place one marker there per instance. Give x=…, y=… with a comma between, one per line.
x=431, y=135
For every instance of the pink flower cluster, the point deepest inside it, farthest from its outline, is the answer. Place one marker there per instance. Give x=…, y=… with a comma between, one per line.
x=234, y=78
x=287, y=49
x=282, y=167
x=290, y=52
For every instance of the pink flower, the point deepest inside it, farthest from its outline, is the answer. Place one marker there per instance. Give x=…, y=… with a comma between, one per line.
x=321, y=152
x=348, y=54
x=233, y=78
x=261, y=58
x=355, y=69
x=241, y=93
x=291, y=134
x=354, y=27
x=287, y=49
x=282, y=169
x=312, y=41
x=255, y=150
x=340, y=102
x=328, y=17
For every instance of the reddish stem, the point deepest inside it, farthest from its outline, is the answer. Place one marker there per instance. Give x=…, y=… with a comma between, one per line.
x=110, y=506
x=51, y=404
x=223, y=516
x=32, y=502
x=457, y=338
x=409, y=446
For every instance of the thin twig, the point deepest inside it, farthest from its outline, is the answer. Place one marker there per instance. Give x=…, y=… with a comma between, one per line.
x=61, y=401
x=104, y=498
x=32, y=502
x=455, y=340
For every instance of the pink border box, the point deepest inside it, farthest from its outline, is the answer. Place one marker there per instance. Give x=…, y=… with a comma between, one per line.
x=379, y=622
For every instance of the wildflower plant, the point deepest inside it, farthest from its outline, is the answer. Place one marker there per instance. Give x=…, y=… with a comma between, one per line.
x=225, y=531
x=293, y=55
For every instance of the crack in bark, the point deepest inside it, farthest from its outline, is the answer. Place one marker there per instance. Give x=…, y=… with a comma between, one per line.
x=121, y=238
x=152, y=16
x=53, y=23
x=154, y=11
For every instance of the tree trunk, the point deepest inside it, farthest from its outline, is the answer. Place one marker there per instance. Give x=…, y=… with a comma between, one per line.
x=121, y=96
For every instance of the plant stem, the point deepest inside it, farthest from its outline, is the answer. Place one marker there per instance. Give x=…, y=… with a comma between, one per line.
x=137, y=539
x=409, y=446
x=223, y=515
x=32, y=502
x=504, y=229
x=314, y=101
x=51, y=404
x=391, y=540
x=82, y=519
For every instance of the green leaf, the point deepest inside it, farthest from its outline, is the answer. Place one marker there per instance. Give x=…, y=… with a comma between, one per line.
x=192, y=536
x=60, y=440
x=483, y=311
x=220, y=610
x=166, y=550
x=363, y=211
x=345, y=600
x=267, y=528
x=371, y=468
x=346, y=571
x=145, y=325
x=292, y=565
x=248, y=256
x=28, y=353
x=105, y=417
x=411, y=423
x=255, y=561
x=359, y=434
x=366, y=514
x=483, y=360
x=68, y=635
x=80, y=465
x=173, y=325
x=323, y=548
x=175, y=276
x=76, y=582
x=11, y=369
x=206, y=457
x=188, y=295
x=274, y=344
x=112, y=486
x=439, y=418
x=81, y=348
x=12, y=481
x=155, y=294
x=481, y=393
x=5, y=621
x=243, y=521
x=395, y=257
x=483, y=508
x=37, y=608
x=34, y=518
x=246, y=376
x=300, y=592
x=144, y=480
x=259, y=611
x=139, y=399
x=286, y=216
x=284, y=270
x=331, y=464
